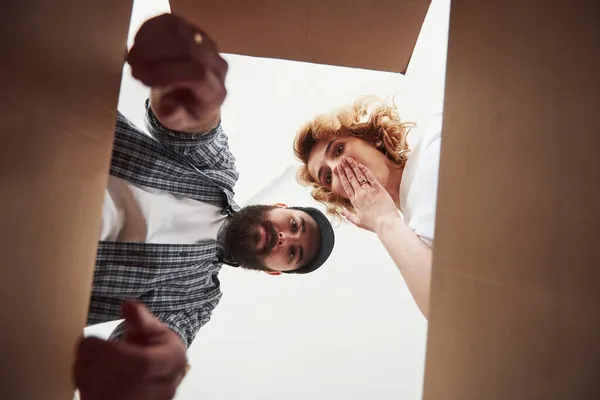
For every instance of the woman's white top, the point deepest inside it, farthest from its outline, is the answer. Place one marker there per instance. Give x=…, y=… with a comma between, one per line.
x=418, y=189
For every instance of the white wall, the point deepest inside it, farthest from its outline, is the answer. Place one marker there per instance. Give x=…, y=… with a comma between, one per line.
x=349, y=331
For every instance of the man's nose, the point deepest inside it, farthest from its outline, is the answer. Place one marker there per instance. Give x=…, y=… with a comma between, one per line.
x=285, y=238
x=282, y=239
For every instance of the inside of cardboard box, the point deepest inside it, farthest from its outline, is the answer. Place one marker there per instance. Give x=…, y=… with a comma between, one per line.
x=516, y=283
x=318, y=336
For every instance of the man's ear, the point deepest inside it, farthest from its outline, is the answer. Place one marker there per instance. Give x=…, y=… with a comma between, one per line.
x=273, y=273
x=280, y=205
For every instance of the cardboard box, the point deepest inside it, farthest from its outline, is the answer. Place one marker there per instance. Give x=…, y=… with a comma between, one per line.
x=516, y=275
x=377, y=35
x=60, y=76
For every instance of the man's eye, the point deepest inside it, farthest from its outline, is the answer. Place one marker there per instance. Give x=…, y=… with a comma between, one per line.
x=292, y=254
x=294, y=225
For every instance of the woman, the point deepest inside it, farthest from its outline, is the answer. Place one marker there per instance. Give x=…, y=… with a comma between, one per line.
x=366, y=164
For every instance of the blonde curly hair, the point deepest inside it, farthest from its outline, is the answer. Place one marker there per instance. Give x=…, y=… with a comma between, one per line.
x=369, y=118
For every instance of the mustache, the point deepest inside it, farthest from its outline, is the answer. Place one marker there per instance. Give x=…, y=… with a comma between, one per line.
x=272, y=235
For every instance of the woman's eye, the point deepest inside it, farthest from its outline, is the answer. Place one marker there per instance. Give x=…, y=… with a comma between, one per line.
x=339, y=150
x=328, y=178
x=292, y=254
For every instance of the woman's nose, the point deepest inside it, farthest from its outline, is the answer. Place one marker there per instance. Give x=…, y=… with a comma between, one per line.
x=332, y=164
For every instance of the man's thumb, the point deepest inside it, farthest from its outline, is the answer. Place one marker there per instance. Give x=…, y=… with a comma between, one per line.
x=140, y=320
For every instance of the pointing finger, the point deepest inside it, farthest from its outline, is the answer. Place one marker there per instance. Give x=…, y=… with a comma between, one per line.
x=140, y=321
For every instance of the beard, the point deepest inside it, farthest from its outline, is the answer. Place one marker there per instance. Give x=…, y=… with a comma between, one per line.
x=240, y=237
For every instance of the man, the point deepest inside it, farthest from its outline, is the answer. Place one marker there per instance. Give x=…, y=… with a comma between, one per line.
x=169, y=222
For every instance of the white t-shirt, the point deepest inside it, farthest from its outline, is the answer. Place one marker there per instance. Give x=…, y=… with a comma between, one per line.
x=418, y=189
x=134, y=213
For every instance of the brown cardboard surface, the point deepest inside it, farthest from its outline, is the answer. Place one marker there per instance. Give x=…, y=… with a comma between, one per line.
x=516, y=278
x=378, y=35
x=60, y=76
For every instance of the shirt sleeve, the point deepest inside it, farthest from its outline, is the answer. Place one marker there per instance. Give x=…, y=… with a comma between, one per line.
x=202, y=149
x=185, y=323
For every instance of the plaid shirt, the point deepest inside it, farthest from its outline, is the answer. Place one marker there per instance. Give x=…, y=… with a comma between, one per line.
x=178, y=283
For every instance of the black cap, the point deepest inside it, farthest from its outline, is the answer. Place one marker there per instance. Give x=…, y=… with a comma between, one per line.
x=327, y=241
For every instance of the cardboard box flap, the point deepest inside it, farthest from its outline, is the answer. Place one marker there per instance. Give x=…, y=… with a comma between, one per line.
x=60, y=77
x=516, y=285
x=381, y=36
